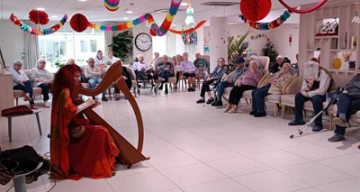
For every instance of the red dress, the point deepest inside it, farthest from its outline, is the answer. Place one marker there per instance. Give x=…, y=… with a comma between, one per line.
x=92, y=155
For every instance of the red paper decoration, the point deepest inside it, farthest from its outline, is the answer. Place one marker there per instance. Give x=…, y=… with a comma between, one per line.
x=79, y=22
x=39, y=17
x=255, y=10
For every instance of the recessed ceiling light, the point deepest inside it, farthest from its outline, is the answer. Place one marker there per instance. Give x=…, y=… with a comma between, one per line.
x=184, y=4
x=82, y=0
x=54, y=17
x=125, y=18
x=129, y=12
x=40, y=9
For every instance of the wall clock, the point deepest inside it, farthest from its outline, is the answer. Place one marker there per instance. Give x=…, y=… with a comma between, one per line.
x=143, y=41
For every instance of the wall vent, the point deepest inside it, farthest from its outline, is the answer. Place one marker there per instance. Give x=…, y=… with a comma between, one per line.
x=220, y=3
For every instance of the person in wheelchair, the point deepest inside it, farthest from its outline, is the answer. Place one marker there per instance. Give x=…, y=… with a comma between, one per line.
x=163, y=71
x=348, y=103
x=143, y=71
x=214, y=77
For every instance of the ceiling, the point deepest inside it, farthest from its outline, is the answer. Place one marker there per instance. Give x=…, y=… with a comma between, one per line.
x=95, y=10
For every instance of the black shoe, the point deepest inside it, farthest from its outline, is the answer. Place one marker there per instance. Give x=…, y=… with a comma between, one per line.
x=161, y=87
x=209, y=101
x=336, y=138
x=263, y=114
x=292, y=123
x=104, y=99
x=217, y=103
x=200, y=101
x=252, y=112
x=317, y=128
x=192, y=89
x=189, y=89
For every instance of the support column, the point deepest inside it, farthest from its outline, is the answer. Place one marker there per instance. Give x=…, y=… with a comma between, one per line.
x=218, y=40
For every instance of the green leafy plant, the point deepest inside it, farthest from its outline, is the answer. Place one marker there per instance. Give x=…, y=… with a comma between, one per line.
x=122, y=45
x=237, y=45
x=270, y=50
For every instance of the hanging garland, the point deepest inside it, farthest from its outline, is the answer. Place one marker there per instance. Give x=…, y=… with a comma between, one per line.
x=188, y=31
x=78, y=22
x=38, y=31
x=311, y=9
x=268, y=25
x=112, y=5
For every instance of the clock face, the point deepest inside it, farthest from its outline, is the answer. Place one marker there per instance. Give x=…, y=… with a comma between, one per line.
x=143, y=41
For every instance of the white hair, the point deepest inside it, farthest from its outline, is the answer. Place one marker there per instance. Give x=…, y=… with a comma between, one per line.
x=41, y=60
x=254, y=62
x=17, y=62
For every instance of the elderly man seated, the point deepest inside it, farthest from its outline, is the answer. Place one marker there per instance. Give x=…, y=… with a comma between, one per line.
x=348, y=103
x=316, y=84
x=43, y=79
x=163, y=71
x=93, y=74
x=274, y=86
x=143, y=71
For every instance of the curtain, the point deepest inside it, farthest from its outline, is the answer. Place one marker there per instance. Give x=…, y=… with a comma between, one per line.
x=31, y=50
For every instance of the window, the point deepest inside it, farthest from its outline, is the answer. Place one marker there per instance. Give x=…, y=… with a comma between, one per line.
x=60, y=46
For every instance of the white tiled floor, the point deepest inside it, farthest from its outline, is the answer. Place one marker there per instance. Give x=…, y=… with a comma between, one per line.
x=197, y=148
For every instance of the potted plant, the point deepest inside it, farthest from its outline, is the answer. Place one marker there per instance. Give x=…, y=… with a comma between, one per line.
x=236, y=47
x=122, y=45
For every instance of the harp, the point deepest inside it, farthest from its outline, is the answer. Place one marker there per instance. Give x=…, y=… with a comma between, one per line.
x=128, y=154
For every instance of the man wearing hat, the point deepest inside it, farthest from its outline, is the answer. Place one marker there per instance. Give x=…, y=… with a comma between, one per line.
x=229, y=80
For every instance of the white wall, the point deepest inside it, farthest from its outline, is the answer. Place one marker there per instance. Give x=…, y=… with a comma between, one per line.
x=280, y=37
x=11, y=42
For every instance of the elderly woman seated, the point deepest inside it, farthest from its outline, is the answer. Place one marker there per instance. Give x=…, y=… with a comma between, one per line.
x=213, y=77
x=22, y=82
x=247, y=81
x=274, y=86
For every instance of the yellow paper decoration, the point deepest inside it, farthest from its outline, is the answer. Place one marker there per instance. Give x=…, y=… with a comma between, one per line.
x=337, y=63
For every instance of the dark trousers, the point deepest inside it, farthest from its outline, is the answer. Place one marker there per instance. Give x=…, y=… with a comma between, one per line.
x=346, y=105
x=258, y=95
x=237, y=92
x=221, y=88
x=205, y=87
x=27, y=88
x=165, y=75
x=45, y=90
x=177, y=77
x=317, y=102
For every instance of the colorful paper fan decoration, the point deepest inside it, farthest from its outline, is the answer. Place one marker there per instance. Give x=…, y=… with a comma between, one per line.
x=38, y=31
x=188, y=31
x=79, y=22
x=266, y=26
x=39, y=17
x=112, y=5
x=155, y=30
x=255, y=10
x=295, y=10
